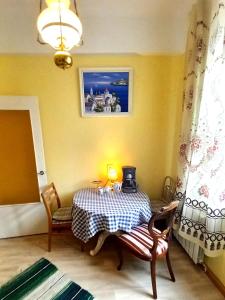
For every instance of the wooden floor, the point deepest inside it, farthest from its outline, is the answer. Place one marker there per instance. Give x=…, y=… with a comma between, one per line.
x=99, y=275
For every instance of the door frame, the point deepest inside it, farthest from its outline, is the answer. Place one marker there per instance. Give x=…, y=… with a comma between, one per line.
x=29, y=218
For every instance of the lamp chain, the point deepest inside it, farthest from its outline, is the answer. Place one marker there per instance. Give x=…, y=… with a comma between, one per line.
x=75, y=7
x=76, y=11
x=38, y=36
x=60, y=21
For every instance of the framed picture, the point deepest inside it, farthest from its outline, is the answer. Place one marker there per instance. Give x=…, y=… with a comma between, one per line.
x=106, y=91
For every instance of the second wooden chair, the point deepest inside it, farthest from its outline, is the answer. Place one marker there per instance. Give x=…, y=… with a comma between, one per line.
x=167, y=195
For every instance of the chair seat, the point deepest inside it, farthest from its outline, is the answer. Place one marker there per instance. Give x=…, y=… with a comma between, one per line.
x=156, y=205
x=62, y=214
x=65, y=223
x=140, y=242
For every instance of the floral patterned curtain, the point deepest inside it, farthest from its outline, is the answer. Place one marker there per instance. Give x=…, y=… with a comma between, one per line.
x=201, y=168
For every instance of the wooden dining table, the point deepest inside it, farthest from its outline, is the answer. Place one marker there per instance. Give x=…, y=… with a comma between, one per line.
x=110, y=213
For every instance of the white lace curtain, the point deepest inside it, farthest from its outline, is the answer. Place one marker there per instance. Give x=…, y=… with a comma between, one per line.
x=201, y=171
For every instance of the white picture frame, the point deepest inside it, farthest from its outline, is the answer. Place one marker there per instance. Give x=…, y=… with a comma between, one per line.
x=106, y=92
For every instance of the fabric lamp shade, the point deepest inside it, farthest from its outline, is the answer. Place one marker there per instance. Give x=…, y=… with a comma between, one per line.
x=112, y=174
x=59, y=26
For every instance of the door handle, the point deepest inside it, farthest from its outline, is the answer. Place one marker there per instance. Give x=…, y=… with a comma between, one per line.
x=41, y=173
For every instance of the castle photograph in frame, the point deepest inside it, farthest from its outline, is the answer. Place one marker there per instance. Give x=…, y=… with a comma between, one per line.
x=106, y=92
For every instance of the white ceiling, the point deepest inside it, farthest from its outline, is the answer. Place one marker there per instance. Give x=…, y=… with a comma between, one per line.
x=110, y=26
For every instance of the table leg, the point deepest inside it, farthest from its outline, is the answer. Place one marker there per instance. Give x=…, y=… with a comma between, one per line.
x=101, y=239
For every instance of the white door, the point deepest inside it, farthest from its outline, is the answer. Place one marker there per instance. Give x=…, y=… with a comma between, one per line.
x=21, y=209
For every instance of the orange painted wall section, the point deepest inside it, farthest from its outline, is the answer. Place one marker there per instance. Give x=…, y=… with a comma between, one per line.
x=18, y=175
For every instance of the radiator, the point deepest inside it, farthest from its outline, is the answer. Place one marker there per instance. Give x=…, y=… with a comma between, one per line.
x=193, y=250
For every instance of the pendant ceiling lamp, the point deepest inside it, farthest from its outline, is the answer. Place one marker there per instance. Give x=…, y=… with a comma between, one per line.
x=61, y=28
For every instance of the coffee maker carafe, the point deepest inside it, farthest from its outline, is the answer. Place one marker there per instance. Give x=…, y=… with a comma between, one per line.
x=129, y=184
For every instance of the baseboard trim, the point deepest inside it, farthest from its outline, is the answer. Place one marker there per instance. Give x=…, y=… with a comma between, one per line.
x=216, y=281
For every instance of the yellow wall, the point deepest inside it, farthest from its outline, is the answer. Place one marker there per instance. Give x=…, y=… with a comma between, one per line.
x=77, y=149
x=217, y=266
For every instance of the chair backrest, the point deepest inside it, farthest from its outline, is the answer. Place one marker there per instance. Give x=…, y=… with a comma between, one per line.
x=168, y=213
x=51, y=200
x=168, y=189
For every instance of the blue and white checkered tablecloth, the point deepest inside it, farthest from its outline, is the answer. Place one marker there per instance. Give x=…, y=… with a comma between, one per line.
x=111, y=212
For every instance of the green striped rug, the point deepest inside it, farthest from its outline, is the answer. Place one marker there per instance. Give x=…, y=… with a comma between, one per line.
x=42, y=281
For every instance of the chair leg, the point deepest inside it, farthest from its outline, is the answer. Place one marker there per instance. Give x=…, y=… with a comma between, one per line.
x=120, y=256
x=49, y=241
x=153, y=275
x=169, y=266
x=82, y=246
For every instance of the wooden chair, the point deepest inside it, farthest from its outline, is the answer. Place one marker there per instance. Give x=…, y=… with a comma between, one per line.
x=59, y=218
x=148, y=243
x=167, y=195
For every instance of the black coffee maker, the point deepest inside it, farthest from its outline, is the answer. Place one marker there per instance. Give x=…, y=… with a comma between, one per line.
x=129, y=184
